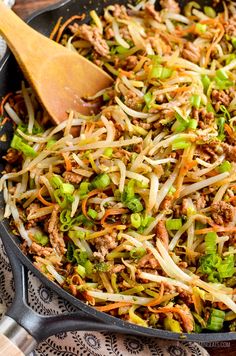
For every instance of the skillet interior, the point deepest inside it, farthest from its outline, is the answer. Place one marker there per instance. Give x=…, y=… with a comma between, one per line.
x=10, y=77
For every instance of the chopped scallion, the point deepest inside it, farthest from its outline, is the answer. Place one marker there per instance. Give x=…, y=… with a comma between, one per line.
x=173, y=224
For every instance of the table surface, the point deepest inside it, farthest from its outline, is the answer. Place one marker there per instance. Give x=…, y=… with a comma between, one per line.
x=24, y=8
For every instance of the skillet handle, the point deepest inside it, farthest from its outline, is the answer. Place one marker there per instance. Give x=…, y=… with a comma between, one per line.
x=8, y=348
x=14, y=340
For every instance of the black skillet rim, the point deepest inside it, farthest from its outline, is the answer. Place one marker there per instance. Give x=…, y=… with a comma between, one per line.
x=104, y=318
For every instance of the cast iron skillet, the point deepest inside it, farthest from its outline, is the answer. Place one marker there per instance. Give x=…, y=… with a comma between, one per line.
x=21, y=324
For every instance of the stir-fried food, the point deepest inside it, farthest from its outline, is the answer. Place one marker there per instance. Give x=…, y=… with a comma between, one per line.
x=133, y=209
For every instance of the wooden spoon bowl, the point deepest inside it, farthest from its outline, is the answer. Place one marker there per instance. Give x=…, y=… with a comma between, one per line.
x=59, y=77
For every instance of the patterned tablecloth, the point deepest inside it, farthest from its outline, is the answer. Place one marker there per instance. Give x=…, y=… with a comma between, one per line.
x=45, y=301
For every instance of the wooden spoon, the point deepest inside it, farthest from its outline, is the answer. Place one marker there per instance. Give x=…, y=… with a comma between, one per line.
x=59, y=77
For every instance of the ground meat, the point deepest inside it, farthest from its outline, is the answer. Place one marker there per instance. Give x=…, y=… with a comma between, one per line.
x=120, y=11
x=142, y=124
x=32, y=209
x=229, y=151
x=170, y=5
x=220, y=97
x=40, y=250
x=73, y=178
x=116, y=269
x=222, y=213
x=207, y=152
x=132, y=100
x=230, y=26
x=92, y=35
x=191, y=52
x=56, y=237
x=129, y=63
x=108, y=33
x=185, y=297
x=201, y=202
x=150, y=11
x=162, y=233
x=148, y=261
x=104, y=244
x=204, y=118
x=12, y=156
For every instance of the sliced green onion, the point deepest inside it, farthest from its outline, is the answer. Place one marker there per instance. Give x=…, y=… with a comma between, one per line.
x=180, y=145
x=137, y=252
x=206, y=82
x=88, y=267
x=226, y=268
x=173, y=224
x=80, y=256
x=50, y=143
x=41, y=239
x=92, y=213
x=216, y=320
x=81, y=271
x=233, y=41
x=108, y=152
x=209, y=11
x=101, y=267
x=135, y=205
x=227, y=115
x=148, y=99
x=221, y=74
x=196, y=101
x=135, y=220
x=83, y=189
x=160, y=72
x=221, y=128
x=121, y=49
x=172, y=325
x=18, y=144
x=192, y=124
x=65, y=216
x=210, y=241
x=67, y=189
x=70, y=252
x=106, y=97
x=101, y=181
x=209, y=263
x=223, y=84
x=78, y=234
x=116, y=254
x=201, y=28
x=156, y=72
x=134, y=290
x=60, y=199
x=225, y=167
x=114, y=282
x=56, y=181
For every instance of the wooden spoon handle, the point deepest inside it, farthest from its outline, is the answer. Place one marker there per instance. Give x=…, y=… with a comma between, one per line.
x=7, y=348
x=13, y=29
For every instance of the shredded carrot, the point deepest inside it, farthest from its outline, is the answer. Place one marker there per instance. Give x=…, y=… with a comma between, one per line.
x=43, y=201
x=123, y=72
x=112, y=212
x=67, y=162
x=56, y=28
x=157, y=300
x=84, y=202
x=229, y=130
x=215, y=228
x=217, y=40
x=4, y=121
x=112, y=306
x=63, y=27
x=186, y=321
x=3, y=102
